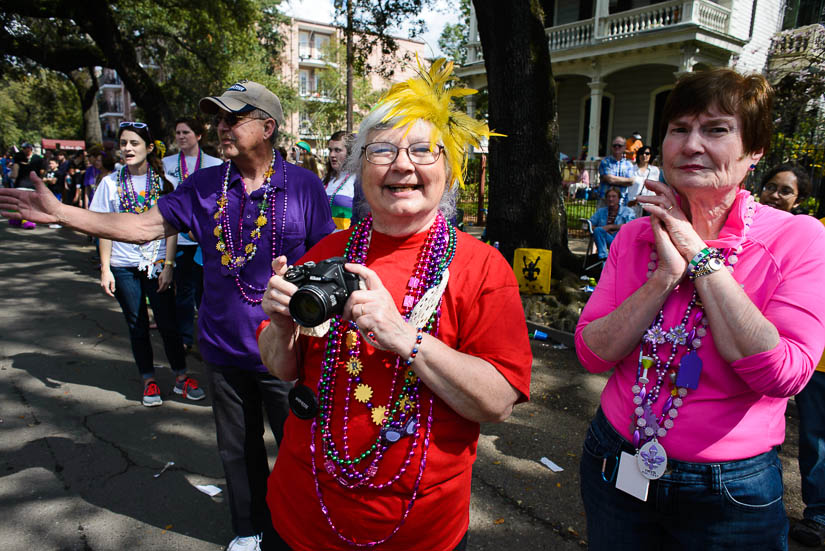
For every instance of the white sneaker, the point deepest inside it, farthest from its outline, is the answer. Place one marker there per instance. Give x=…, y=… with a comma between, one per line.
x=247, y=543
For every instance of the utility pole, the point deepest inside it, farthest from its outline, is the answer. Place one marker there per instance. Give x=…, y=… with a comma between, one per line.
x=350, y=62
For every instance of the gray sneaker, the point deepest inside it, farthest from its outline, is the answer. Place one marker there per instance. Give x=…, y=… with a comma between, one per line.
x=247, y=543
x=151, y=395
x=189, y=389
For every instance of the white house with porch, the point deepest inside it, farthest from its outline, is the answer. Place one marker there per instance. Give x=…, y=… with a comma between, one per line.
x=614, y=61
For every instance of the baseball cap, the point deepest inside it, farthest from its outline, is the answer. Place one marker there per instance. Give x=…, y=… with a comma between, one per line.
x=26, y=144
x=242, y=97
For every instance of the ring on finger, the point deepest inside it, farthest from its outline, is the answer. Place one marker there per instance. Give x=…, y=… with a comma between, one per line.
x=670, y=208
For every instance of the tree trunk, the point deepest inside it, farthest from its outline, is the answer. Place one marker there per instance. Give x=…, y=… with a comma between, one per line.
x=86, y=84
x=526, y=207
x=350, y=62
x=99, y=22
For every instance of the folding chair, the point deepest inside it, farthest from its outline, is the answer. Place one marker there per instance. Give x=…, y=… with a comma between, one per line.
x=588, y=227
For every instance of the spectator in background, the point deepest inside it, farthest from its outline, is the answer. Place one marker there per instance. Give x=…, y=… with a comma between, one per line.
x=616, y=171
x=309, y=162
x=608, y=220
x=785, y=187
x=340, y=185
x=188, y=274
x=633, y=144
x=50, y=177
x=5, y=168
x=20, y=166
x=62, y=170
x=644, y=171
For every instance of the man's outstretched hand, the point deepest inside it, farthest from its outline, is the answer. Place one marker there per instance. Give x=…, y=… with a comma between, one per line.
x=39, y=206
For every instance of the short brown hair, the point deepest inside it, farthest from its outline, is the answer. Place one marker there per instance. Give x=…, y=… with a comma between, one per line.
x=749, y=97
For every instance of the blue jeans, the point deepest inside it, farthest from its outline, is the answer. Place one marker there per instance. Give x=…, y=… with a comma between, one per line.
x=701, y=506
x=188, y=290
x=603, y=239
x=811, y=405
x=132, y=287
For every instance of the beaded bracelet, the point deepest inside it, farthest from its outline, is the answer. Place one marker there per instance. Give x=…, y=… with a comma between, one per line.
x=707, y=265
x=701, y=255
x=701, y=259
x=418, y=338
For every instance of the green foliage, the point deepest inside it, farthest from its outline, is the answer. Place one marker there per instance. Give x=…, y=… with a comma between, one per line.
x=373, y=21
x=200, y=48
x=170, y=54
x=455, y=36
x=42, y=104
x=328, y=112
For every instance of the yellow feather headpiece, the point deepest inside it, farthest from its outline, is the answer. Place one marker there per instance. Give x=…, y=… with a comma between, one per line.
x=427, y=97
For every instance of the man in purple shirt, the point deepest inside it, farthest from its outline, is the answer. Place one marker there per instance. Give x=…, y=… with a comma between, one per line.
x=244, y=213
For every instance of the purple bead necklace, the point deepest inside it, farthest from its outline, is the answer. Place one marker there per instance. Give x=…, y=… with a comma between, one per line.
x=235, y=258
x=401, y=414
x=183, y=170
x=682, y=376
x=129, y=200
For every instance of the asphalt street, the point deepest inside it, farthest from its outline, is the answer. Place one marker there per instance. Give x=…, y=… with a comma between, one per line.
x=79, y=453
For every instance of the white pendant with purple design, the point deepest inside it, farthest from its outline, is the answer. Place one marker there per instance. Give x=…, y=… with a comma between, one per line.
x=652, y=460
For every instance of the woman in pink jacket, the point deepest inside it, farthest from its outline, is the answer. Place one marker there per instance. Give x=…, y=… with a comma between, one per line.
x=721, y=306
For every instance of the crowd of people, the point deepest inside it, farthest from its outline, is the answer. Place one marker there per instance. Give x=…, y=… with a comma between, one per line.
x=707, y=316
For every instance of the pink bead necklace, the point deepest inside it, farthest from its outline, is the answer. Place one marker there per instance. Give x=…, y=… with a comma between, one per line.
x=401, y=414
x=183, y=170
x=235, y=257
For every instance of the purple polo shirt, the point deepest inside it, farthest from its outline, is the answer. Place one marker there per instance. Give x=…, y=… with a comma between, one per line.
x=227, y=322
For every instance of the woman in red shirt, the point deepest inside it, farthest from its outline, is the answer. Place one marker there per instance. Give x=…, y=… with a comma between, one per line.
x=433, y=344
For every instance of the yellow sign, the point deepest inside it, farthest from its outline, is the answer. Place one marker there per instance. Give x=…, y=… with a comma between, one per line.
x=532, y=268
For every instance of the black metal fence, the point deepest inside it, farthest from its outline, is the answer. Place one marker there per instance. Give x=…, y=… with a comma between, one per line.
x=582, y=203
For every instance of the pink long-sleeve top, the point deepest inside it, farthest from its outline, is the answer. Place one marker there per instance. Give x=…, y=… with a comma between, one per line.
x=738, y=409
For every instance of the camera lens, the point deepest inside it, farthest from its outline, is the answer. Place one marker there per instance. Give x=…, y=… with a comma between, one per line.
x=309, y=306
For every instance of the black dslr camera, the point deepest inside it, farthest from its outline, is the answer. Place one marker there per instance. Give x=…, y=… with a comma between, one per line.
x=323, y=288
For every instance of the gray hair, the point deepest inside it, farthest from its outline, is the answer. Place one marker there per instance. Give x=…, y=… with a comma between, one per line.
x=355, y=158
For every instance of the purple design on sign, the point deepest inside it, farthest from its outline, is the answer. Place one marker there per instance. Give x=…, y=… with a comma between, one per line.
x=690, y=367
x=651, y=458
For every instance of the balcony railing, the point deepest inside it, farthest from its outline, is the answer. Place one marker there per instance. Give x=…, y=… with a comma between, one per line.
x=571, y=35
x=804, y=41
x=110, y=107
x=704, y=13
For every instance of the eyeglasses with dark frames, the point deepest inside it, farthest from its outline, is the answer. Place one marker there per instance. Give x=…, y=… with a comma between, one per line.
x=231, y=119
x=385, y=153
x=784, y=191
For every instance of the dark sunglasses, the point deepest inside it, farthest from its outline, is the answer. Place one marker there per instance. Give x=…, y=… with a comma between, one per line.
x=618, y=145
x=231, y=119
x=133, y=124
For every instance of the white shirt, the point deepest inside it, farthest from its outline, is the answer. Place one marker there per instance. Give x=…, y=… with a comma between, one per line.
x=171, y=167
x=638, y=189
x=106, y=199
